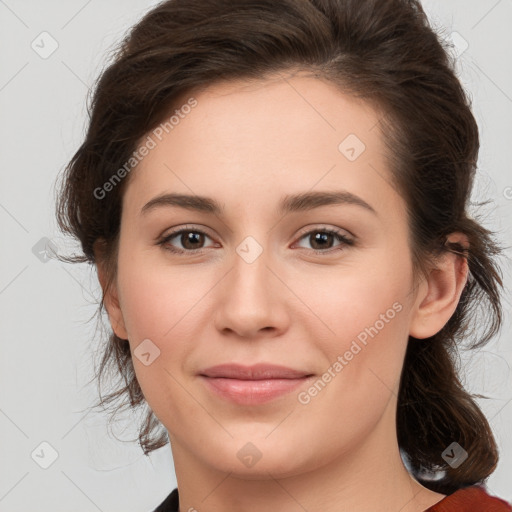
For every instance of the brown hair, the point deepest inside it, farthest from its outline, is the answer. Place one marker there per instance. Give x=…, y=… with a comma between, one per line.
x=384, y=52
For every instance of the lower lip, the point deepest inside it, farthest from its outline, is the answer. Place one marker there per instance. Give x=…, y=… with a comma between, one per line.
x=252, y=392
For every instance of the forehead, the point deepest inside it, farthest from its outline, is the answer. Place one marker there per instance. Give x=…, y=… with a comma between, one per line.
x=261, y=139
x=297, y=108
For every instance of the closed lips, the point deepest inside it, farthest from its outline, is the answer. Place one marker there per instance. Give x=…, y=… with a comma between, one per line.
x=254, y=372
x=252, y=385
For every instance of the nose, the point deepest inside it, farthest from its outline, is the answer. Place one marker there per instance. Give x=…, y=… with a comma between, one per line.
x=251, y=301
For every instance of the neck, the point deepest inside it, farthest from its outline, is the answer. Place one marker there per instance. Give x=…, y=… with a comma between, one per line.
x=369, y=478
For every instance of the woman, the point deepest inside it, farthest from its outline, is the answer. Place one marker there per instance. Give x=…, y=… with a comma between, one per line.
x=275, y=197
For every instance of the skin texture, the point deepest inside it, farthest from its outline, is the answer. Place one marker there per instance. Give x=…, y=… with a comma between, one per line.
x=247, y=145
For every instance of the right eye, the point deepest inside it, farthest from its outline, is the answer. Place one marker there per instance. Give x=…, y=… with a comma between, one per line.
x=190, y=238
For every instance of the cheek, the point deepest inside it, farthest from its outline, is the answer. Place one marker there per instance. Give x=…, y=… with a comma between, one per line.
x=163, y=304
x=344, y=304
x=364, y=360
x=158, y=301
x=364, y=326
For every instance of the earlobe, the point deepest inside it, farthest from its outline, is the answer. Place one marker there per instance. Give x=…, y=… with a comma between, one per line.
x=111, y=301
x=439, y=298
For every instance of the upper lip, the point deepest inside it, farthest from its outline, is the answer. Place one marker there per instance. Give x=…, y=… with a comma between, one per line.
x=261, y=371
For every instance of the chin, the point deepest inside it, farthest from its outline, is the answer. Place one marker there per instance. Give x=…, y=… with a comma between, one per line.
x=259, y=459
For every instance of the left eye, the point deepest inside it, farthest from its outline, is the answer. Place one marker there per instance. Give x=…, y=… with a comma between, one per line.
x=192, y=240
x=322, y=237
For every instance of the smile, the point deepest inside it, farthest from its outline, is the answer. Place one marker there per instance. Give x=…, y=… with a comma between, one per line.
x=252, y=385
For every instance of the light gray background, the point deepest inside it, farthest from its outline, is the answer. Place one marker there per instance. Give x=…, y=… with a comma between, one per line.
x=48, y=336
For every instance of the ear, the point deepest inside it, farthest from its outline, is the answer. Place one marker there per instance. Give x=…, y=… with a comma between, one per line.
x=111, y=301
x=440, y=293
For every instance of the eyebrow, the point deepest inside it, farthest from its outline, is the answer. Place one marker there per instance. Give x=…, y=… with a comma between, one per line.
x=289, y=204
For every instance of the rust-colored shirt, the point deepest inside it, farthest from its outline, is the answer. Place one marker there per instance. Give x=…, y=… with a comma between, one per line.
x=471, y=499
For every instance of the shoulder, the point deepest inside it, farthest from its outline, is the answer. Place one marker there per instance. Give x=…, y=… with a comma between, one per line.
x=170, y=504
x=471, y=499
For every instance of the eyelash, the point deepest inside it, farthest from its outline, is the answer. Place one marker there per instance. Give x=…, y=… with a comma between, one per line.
x=338, y=234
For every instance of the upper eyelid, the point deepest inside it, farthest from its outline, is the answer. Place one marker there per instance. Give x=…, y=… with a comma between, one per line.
x=303, y=231
x=325, y=227
x=179, y=230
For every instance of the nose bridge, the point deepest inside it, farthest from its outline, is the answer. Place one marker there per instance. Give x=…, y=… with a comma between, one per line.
x=251, y=276
x=250, y=298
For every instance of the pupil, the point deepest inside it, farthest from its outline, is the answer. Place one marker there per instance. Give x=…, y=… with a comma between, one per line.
x=322, y=236
x=193, y=237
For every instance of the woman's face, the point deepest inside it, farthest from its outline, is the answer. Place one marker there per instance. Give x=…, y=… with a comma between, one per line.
x=285, y=162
